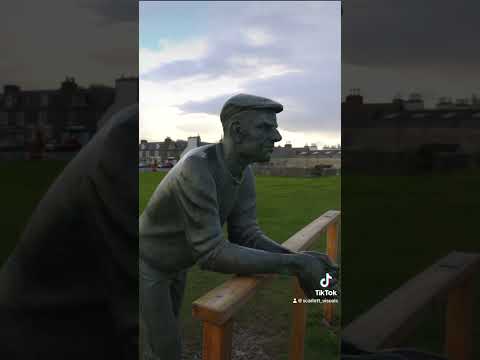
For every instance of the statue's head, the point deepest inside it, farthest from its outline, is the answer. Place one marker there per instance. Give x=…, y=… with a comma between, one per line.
x=250, y=126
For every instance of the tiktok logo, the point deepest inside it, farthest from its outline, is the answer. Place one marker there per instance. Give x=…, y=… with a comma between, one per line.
x=325, y=282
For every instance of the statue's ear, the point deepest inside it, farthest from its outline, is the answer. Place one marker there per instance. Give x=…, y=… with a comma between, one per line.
x=236, y=132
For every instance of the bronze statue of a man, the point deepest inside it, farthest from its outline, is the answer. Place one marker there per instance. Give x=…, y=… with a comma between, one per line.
x=182, y=223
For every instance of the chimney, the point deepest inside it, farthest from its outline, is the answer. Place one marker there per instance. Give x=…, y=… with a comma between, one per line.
x=414, y=102
x=11, y=89
x=354, y=97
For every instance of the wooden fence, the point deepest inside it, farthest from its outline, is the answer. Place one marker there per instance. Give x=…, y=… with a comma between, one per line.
x=393, y=319
x=217, y=308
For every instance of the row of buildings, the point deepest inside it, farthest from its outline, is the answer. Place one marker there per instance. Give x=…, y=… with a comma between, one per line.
x=159, y=152
x=58, y=120
x=287, y=151
x=393, y=136
x=404, y=134
x=286, y=156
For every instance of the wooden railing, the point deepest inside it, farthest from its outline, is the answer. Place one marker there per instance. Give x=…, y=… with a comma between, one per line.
x=393, y=319
x=217, y=308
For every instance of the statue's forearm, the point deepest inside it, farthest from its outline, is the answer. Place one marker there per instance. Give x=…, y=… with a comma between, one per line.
x=264, y=243
x=236, y=259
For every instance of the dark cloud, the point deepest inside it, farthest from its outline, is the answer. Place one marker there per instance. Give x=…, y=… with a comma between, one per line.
x=406, y=33
x=113, y=10
x=313, y=107
x=297, y=38
x=43, y=44
x=218, y=62
x=306, y=107
x=211, y=106
x=426, y=46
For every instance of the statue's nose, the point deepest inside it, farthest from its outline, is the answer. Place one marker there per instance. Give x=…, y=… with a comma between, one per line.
x=277, y=136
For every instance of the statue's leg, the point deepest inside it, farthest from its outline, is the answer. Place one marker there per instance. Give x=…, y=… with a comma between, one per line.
x=177, y=289
x=161, y=337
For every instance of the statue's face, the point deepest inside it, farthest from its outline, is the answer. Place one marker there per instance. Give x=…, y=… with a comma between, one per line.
x=259, y=135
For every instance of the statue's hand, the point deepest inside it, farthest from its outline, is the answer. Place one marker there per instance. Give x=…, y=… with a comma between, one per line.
x=314, y=268
x=323, y=257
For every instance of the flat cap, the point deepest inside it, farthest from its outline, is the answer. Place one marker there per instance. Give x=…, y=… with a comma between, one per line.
x=242, y=102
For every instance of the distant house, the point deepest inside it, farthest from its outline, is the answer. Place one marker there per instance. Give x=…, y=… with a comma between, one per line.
x=192, y=143
x=401, y=126
x=311, y=151
x=160, y=152
x=306, y=157
x=126, y=93
x=64, y=116
x=404, y=134
x=167, y=150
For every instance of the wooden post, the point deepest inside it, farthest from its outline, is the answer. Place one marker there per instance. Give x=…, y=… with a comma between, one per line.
x=332, y=250
x=217, y=341
x=299, y=317
x=332, y=230
x=458, y=337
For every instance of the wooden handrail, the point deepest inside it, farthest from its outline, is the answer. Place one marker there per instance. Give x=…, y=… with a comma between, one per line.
x=217, y=307
x=219, y=304
x=388, y=322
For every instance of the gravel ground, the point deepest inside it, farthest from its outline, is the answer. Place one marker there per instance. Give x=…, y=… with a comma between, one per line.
x=247, y=344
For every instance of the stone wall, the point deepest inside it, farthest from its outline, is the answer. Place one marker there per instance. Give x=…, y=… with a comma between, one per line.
x=407, y=162
x=304, y=162
x=410, y=139
x=293, y=171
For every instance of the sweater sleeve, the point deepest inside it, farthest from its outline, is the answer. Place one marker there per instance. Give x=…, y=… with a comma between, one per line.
x=196, y=196
x=111, y=205
x=243, y=228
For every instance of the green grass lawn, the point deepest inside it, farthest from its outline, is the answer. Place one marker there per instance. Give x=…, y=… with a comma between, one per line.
x=23, y=184
x=388, y=249
x=394, y=228
x=285, y=205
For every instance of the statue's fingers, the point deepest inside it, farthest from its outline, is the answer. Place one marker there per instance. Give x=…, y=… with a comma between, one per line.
x=333, y=271
x=323, y=257
x=333, y=268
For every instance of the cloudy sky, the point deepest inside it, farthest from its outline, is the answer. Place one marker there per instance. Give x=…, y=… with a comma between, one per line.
x=430, y=47
x=95, y=41
x=195, y=55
